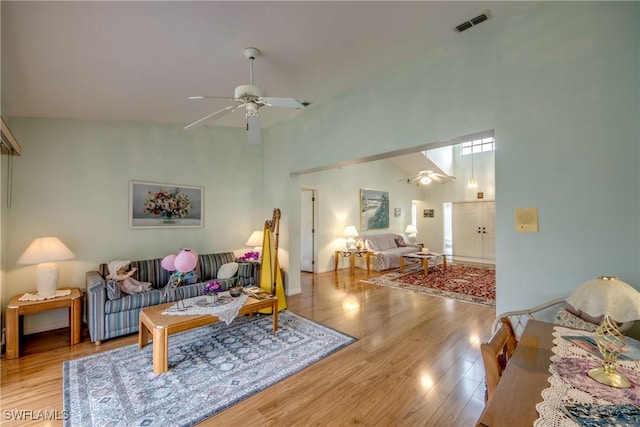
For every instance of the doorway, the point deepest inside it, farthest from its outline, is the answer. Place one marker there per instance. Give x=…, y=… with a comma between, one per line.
x=308, y=221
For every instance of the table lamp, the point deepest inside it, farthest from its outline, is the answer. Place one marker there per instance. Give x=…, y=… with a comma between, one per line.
x=411, y=231
x=617, y=301
x=350, y=233
x=255, y=240
x=45, y=251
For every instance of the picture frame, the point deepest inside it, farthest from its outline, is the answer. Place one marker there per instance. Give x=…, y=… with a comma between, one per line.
x=427, y=213
x=374, y=209
x=397, y=212
x=160, y=205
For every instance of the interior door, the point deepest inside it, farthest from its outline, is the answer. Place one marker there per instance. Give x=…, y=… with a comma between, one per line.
x=467, y=230
x=474, y=231
x=307, y=230
x=489, y=230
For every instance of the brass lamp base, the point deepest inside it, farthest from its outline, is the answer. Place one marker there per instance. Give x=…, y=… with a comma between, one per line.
x=612, y=379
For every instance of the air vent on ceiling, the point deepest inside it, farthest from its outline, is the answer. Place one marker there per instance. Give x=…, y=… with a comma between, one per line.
x=474, y=21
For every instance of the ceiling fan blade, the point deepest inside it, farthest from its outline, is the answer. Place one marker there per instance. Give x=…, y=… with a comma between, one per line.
x=254, y=131
x=282, y=102
x=225, y=110
x=191, y=98
x=441, y=179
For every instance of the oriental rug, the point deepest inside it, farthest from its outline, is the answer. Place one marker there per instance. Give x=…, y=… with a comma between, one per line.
x=461, y=282
x=210, y=369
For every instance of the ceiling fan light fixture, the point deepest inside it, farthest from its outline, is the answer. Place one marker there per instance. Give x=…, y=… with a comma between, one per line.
x=425, y=180
x=252, y=109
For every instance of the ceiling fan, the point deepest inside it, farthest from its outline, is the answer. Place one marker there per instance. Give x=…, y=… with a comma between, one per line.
x=428, y=176
x=251, y=97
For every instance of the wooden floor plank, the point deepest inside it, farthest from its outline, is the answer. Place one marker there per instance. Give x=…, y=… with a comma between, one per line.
x=416, y=362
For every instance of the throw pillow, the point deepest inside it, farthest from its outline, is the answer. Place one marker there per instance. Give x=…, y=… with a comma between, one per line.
x=400, y=242
x=227, y=271
x=113, y=290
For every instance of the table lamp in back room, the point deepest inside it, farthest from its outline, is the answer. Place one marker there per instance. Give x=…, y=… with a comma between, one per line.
x=45, y=251
x=350, y=233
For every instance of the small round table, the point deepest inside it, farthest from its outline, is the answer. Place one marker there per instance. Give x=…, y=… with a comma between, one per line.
x=352, y=258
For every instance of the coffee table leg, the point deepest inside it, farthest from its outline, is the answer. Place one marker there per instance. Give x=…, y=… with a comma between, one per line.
x=143, y=334
x=160, y=350
x=425, y=266
x=401, y=263
x=444, y=262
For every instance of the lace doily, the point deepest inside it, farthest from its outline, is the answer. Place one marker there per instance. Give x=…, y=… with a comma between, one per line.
x=38, y=297
x=226, y=312
x=570, y=383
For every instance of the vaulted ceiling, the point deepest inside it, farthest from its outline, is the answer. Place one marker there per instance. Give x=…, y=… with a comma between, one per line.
x=139, y=61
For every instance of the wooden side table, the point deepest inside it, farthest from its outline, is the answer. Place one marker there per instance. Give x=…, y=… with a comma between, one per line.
x=352, y=258
x=17, y=308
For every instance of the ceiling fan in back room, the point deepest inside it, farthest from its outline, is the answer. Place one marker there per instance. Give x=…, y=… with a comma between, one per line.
x=252, y=98
x=431, y=173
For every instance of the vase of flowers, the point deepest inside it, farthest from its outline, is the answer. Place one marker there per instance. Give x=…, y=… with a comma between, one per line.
x=211, y=291
x=168, y=204
x=250, y=256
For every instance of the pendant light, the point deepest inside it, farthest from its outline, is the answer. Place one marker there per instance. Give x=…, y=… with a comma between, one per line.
x=472, y=183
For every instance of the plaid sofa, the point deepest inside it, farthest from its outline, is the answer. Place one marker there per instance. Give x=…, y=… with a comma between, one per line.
x=109, y=318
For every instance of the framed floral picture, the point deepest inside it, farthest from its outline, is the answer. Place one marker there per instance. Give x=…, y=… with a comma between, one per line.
x=157, y=205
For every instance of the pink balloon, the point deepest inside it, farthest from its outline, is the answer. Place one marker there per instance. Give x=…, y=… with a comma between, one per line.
x=168, y=262
x=186, y=261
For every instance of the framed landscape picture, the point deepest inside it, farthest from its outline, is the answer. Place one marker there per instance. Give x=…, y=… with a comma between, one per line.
x=374, y=209
x=157, y=205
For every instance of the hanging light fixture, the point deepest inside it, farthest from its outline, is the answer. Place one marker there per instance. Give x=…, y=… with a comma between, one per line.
x=472, y=183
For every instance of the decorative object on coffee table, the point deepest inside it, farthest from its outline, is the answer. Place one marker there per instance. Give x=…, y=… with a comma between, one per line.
x=211, y=291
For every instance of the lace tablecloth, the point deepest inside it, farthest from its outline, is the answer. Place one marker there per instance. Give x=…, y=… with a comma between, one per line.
x=38, y=297
x=226, y=309
x=572, y=387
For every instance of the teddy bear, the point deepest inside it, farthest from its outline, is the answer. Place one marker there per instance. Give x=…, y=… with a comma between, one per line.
x=127, y=284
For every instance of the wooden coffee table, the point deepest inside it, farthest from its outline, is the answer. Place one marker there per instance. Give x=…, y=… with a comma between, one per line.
x=424, y=259
x=161, y=326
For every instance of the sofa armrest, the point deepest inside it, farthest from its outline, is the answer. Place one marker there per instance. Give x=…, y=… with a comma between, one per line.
x=96, y=300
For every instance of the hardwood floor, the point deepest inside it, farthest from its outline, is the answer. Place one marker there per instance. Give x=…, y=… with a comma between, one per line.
x=416, y=362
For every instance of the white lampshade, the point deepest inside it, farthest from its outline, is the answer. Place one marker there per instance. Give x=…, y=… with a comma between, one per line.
x=44, y=251
x=411, y=229
x=350, y=231
x=256, y=240
x=609, y=296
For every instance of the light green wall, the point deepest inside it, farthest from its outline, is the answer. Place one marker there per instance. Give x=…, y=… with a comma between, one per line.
x=73, y=178
x=559, y=83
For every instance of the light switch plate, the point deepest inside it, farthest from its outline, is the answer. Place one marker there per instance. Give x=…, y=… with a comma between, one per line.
x=526, y=220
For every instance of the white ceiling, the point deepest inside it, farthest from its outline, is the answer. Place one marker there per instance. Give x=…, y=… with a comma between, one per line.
x=140, y=61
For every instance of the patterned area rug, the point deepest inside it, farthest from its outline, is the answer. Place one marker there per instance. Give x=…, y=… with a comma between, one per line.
x=461, y=282
x=210, y=369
